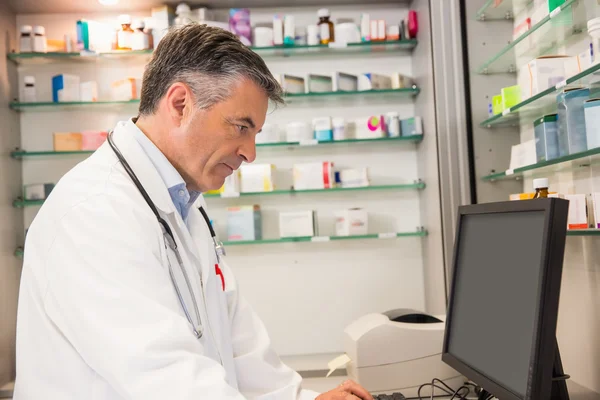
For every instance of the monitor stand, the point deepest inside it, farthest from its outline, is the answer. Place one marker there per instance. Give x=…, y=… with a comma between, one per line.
x=559, y=381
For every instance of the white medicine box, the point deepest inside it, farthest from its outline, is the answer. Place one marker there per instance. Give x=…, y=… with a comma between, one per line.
x=297, y=224
x=256, y=178
x=351, y=222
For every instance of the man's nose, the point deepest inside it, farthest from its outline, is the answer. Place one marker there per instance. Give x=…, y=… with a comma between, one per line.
x=247, y=150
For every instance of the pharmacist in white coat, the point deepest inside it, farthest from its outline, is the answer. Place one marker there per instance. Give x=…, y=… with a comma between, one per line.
x=124, y=294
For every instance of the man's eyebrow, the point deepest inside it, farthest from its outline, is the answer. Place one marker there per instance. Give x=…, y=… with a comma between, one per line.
x=246, y=120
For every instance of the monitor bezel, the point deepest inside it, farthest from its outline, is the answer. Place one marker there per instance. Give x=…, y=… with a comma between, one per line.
x=544, y=343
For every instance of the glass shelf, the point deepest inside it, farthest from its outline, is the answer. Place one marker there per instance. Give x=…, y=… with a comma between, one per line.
x=20, y=203
x=542, y=103
x=20, y=154
x=501, y=9
x=583, y=232
x=410, y=186
x=62, y=57
x=561, y=164
x=383, y=94
x=70, y=105
x=556, y=29
x=290, y=98
x=316, y=239
x=272, y=51
x=364, y=47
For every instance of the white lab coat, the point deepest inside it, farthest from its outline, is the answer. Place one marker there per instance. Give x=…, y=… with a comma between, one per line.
x=98, y=316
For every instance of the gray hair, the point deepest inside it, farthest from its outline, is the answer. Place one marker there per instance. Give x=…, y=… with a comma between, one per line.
x=210, y=61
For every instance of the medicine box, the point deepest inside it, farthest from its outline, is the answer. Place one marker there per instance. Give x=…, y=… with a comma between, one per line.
x=354, y=177
x=546, y=137
x=578, y=218
x=372, y=81
x=323, y=129
x=351, y=222
x=497, y=104
x=71, y=141
x=256, y=178
x=89, y=91
x=596, y=209
x=345, y=82
x=37, y=191
x=319, y=83
x=69, y=84
x=244, y=223
x=125, y=89
x=400, y=81
x=293, y=84
x=542, y=73
x=315, y=175
x=511, y=96
x=521, y=196
x=297, y=224
x=163, y=17
x=239, y=24
x=371, y=127
x=411, y=126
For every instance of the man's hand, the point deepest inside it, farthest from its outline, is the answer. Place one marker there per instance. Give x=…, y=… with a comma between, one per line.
x=349, y=390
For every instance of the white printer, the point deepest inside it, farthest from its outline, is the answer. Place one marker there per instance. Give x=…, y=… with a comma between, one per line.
x=398, y=351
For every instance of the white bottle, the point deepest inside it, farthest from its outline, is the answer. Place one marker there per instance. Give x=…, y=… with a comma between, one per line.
x=289, y=31
x=29, y=93
x=312, y=35
x=393, y=124
x=184, y=15
x=39, y=39
x=277, y=30
x=124, y=36
x=339, y=129
x=26, y=40
x=139, y=39
x=365, y=28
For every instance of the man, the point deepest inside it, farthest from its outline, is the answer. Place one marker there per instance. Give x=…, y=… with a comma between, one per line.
x=123, y=295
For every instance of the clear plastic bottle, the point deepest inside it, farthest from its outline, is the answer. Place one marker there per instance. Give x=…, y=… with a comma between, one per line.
x=125, y=34
x=326, y=29
x=540, y=186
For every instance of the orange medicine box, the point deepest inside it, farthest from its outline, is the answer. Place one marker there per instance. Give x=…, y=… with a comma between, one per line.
x=67, y=141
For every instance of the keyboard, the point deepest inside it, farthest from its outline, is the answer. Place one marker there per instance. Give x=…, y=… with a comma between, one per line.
x=393, y=396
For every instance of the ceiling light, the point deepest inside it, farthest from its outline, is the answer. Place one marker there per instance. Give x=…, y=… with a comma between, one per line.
x=108, y=2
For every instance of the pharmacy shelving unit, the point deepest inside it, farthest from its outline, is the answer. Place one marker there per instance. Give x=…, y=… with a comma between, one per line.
x=494, y=60
x=413, y=179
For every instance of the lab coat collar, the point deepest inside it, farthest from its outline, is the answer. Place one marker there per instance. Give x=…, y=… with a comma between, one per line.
x=144, y=169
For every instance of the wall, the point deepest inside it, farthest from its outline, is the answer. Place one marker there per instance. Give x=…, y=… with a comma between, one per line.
x=328, y=284
x=579, y=313
x=11, y=229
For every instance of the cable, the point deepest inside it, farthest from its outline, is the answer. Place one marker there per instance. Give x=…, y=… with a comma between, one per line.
x=445, y=389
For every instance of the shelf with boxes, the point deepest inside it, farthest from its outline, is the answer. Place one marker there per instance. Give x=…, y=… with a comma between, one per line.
x=536, y=35
x=267, y=51
x=561, y=164
x=543, y=102
x=289, y=97
x=417, y=185
x=22, y=154
x=310, y=239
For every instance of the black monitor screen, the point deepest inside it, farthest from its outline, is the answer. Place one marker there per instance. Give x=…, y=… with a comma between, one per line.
x=495, y=295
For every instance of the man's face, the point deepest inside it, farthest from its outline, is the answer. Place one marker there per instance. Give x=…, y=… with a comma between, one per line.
x=214, y=142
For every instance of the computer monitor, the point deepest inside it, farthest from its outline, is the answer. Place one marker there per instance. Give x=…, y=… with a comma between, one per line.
x=503, y=306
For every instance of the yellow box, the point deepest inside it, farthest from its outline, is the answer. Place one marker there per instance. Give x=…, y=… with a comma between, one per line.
x=67, y=141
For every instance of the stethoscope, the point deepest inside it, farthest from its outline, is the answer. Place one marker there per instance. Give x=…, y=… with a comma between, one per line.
x=170, y=242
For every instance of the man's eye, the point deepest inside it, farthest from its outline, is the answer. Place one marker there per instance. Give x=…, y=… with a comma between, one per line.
x=242, y=128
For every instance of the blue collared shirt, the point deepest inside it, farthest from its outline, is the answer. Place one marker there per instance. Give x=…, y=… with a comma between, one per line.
x=181, y=197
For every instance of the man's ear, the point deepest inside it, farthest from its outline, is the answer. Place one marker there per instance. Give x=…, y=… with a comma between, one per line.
x=179, y=101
